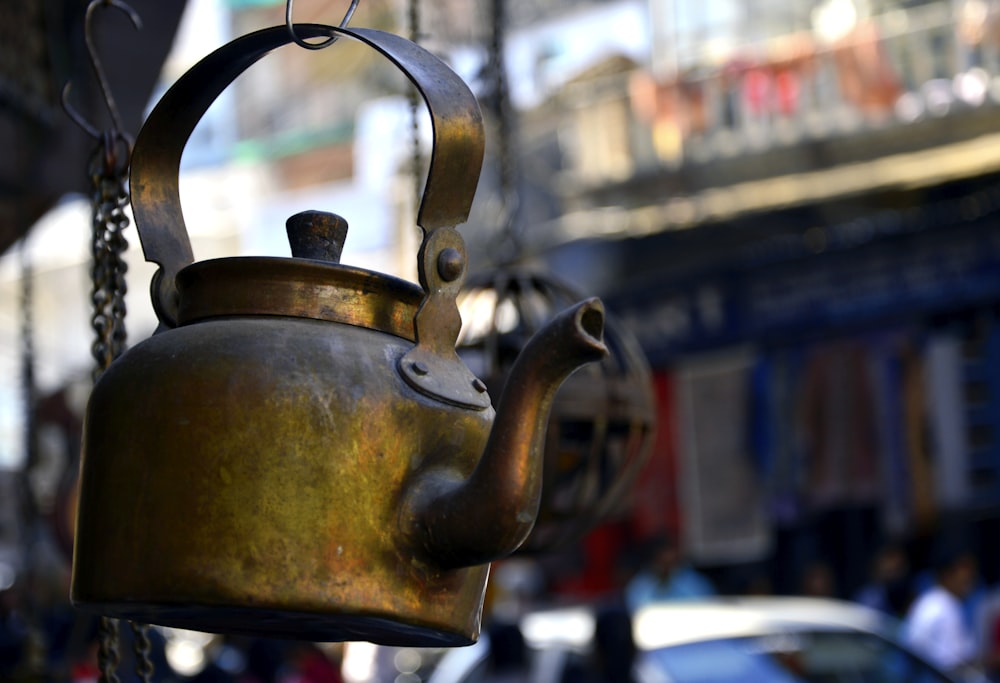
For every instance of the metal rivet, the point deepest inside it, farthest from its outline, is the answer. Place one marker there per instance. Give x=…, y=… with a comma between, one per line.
x=478, y=385
x=450, y=264
x=420, y=368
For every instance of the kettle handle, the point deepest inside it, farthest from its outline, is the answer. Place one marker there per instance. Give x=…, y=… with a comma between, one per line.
x=456, y=158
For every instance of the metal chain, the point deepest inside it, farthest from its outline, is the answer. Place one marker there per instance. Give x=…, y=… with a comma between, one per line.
x=413, y=19
x=108, y=657
x=28, y=388
x=510, y=197
x=142, y=647
x=109, y=198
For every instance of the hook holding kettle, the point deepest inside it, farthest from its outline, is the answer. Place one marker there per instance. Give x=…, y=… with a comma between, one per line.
x=324, y=43
x=88, y=35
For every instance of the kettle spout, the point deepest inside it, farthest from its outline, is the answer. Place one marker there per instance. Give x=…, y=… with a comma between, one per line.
x=487, y=516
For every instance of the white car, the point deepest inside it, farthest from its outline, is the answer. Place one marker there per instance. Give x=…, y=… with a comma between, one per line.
x=721, y=640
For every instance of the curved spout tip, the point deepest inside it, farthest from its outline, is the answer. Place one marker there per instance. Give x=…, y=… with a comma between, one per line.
x=589, y=315
x=570, y=340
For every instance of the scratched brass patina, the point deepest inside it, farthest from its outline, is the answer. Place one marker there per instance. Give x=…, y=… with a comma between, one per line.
x=298, y=451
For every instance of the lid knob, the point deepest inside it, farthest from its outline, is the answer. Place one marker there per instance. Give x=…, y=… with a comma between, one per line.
x=317, y=235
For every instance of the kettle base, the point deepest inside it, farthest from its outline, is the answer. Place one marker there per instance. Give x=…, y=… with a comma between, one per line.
x=276, y=623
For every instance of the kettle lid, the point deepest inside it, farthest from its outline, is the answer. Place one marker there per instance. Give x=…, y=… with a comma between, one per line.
x=312, y=284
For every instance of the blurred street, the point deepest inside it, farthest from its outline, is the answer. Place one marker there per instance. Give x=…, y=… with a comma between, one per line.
x=790, y=209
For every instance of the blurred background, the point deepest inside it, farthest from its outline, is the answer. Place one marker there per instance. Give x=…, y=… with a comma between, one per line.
x=792, y=206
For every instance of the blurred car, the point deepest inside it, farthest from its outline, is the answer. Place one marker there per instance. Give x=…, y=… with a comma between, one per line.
x=720, y=640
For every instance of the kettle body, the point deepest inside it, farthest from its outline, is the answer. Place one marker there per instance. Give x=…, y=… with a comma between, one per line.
x=277, y=513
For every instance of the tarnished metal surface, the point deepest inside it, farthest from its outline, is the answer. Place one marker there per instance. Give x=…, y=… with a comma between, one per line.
x=317, y=235
x=261, y=285
x=267, y=463
x=433, y=367
x=254, y=486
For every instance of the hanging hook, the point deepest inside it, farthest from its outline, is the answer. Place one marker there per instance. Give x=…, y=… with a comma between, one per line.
x=117, y=129
x=324, y=43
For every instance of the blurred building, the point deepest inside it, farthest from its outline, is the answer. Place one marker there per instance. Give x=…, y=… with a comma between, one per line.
x=795, y=209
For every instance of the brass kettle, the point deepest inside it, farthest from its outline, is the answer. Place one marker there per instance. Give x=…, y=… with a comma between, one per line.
x=298, y=451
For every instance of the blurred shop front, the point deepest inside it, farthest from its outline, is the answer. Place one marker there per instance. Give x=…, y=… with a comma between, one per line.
x=830, y=388
x=813, y=270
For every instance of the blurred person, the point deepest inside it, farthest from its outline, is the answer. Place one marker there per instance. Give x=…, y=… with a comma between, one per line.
x=264, y=658
x=614, y=646
x=665, y=576
x=84, y=668
x=758, y=584
x=817, y=581
x=13, y=633
x=988, y=632
x=508, y=658
x=613, y=654
x=989, y=638
x=309, y=664
x=83, y=652
x=212, y=673
x=935, y=625
x=888, y=588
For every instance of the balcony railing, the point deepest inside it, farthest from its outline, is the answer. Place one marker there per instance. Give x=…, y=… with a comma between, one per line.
x=889, y=71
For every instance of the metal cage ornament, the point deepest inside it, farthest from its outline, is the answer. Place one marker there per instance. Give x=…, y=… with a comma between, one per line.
x=601, y=427
x=298, y=451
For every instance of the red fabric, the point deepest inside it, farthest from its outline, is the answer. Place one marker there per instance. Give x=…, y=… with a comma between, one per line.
x=786, y=83
x=757, y=87
x=85, y=672
x=656, y=507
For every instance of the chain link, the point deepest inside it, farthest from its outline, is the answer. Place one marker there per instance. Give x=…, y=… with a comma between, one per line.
x=142, y=647
x=506, y=144
x=109, y=196
x=108, y=657
x=28, y=388
x=413, y=19
x=109, y=199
